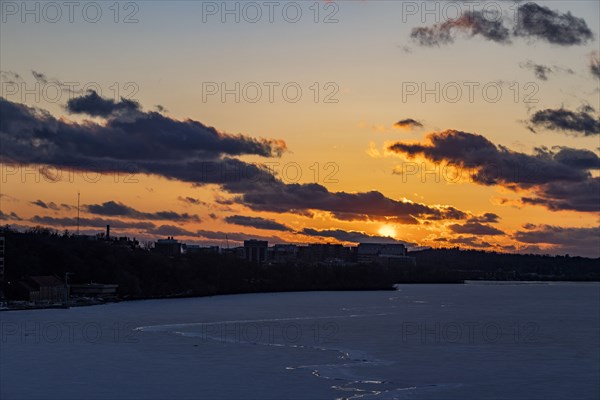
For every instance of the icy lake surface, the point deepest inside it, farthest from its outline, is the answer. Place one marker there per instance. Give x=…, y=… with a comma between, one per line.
x=472, y=341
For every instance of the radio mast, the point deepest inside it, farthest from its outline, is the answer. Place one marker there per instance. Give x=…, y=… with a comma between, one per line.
x=78, y=213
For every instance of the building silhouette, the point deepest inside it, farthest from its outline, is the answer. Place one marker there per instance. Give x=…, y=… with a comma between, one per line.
x=169, y=247
x=36, y=289
x=2, y=247
x=383, y=254
x=255, y=251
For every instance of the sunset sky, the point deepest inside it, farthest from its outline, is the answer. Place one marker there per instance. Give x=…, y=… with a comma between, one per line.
x=440, y=127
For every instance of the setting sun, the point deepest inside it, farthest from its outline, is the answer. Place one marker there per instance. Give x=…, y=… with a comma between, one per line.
x=387, y=230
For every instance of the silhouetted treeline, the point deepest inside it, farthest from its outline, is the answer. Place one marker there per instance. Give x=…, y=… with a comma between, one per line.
x=476, y=264
x=142, y=274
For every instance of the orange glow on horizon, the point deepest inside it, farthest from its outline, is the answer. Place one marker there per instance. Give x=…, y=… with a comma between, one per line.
x=387, y=230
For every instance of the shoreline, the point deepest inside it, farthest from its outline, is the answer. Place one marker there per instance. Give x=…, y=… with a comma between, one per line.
x=190, y=296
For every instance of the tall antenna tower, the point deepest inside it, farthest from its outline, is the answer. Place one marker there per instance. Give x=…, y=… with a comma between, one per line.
x=78, y=213
x=227, y=241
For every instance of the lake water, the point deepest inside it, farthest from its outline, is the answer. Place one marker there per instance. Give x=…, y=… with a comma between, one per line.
x=472, y=341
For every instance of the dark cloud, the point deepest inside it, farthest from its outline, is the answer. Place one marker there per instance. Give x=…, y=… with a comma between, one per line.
x=275, y=196
x=10, y=77
x=151, y=142
x=170, y=230
x=115, y=209
x=401, y=219
x=341, y=216
x=40, y=77
x=533, y=21
x=223, y=200
x=577, y=158
x=352, y=236
x=581, y=122
x=476, y=228
x=94, y=105
x=44, y=80
x=187, y=151
x=49, y=206
x=485, y=218
x=472, y=23
x=578, y=196
x=545, y=172
x=470, y=241
x=542, y=71
x=408, y=123
x=91, y=222
x=191, y=200
x=257, y=222
x=583, y=241
x=236, y=236
x=12, y=216
x=595, y=65
x=540, y=22
x=493, y=164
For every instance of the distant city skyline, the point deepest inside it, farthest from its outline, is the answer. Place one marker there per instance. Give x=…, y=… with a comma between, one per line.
x=462, y=124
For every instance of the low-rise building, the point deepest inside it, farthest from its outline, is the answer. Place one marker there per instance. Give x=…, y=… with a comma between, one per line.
x=368, y=253
x=197, y=249
x=283, y=253
x=2, y=244
x=93, y=290
x=42, y=289
x=256, y=250
x=169, y=247
x=318, y=252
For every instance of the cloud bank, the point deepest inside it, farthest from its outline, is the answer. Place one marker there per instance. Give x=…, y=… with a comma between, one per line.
x=533, y=22
x=559, y=179
x=188, y=151
x=582, y=122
